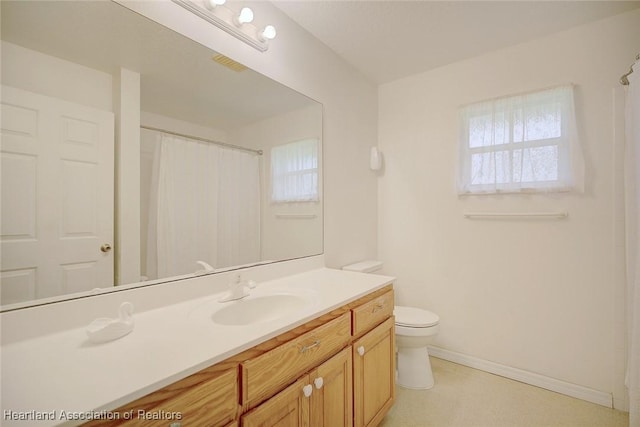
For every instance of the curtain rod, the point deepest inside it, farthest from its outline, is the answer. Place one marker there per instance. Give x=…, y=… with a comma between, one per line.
x=624, y=80
x=472, y=215
x=211, y=141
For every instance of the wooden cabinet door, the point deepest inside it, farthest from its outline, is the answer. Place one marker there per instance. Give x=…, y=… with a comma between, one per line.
x=374, y=374
x=332, y=398
x=289, y=408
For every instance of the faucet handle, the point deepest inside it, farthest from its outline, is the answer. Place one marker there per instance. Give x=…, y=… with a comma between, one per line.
x=238, y=287
x=237, y=290
x=237, y=282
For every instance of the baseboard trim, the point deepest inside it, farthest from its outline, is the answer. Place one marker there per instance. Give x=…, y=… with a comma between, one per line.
x=573, y=390
x=621, y=404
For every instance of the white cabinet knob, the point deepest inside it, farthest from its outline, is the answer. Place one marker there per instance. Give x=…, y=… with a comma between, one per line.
x=307, y=390
x=318, y=382
x=361, y=350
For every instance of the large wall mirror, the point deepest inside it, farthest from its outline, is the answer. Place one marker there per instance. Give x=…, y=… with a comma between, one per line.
x=226, y=162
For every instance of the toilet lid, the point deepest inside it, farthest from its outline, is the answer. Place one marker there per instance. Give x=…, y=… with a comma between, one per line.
x=415, y=317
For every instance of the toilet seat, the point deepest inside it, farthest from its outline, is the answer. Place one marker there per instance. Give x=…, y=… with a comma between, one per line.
x=411, y=317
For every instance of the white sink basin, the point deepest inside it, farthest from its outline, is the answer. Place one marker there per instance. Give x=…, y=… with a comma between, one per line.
x=262, y=305
x=259, y=309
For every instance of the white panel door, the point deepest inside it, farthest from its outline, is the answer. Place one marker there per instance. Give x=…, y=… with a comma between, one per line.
x=56, y=188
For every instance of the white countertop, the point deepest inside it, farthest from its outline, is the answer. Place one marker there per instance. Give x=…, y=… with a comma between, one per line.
x=63, y=371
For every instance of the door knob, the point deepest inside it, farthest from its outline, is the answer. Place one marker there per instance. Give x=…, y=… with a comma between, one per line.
x=318, y=382
x=361, y=350
x=105, y=248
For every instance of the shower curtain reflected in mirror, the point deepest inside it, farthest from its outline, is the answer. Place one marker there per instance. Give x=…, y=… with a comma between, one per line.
x=204, y=205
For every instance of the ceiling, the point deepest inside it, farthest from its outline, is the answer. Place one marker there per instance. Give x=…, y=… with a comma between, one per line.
x=388, y=40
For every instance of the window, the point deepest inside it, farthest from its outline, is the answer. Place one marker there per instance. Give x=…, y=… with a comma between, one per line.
x=294, y=172
x=520, y=143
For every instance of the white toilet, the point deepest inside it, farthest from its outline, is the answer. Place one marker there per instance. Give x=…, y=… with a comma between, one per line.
x=414, y=326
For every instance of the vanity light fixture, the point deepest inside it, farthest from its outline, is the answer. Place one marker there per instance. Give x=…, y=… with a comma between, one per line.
x=237, y=24
x=244, y=17
x=267, y=33
x=212, y=4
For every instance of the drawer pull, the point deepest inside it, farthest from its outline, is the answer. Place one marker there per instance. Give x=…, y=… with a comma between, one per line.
x=361, y=350
x=306, y=348
x=377, y=307
x=307, y=390
x=319, y=382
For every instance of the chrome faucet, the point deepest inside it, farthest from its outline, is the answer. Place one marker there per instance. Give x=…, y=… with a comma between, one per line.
x=238, y=289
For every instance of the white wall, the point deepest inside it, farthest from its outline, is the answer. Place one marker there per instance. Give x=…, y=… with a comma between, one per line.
x=544, y=296
x=285, y=238
x=301, y=62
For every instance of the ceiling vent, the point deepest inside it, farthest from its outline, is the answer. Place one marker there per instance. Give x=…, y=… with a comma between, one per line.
x=229, y=63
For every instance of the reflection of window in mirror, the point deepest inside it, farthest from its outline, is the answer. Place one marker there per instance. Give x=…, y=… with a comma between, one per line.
x=294, y=172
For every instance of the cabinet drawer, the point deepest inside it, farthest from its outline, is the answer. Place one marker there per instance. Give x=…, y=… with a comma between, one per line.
x=266, y=374
x=372, y=313
x=211, y=403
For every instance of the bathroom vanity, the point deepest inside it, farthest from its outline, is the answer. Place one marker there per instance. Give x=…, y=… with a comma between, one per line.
x=318, y=374
x=328, y=362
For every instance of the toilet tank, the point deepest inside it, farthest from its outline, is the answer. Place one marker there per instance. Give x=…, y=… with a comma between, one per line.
x=369, y=266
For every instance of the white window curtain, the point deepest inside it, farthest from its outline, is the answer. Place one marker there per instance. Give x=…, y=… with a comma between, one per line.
x=520, y=143
x=294, y=172
x=632, y=224
x=204, y=205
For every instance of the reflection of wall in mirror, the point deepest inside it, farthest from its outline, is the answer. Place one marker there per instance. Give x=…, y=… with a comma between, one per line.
x=288, y=229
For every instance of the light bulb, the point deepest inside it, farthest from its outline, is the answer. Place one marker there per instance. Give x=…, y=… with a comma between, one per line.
x=212, y=4
x=268, y=33
x=246, y=15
